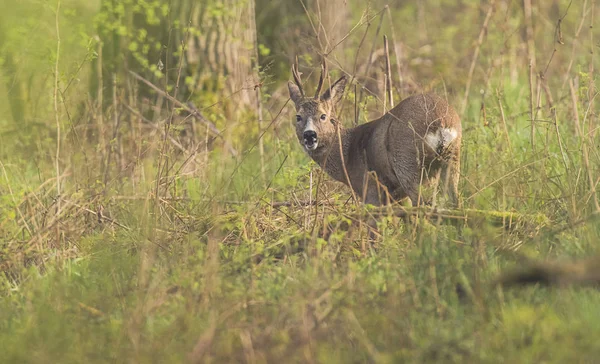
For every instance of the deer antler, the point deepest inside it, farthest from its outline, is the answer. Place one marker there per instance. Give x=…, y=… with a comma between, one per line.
x=322, y=78
x=297, y=76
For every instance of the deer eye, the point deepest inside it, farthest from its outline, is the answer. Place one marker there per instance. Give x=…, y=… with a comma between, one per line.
x=298, y=118
x=323, y=117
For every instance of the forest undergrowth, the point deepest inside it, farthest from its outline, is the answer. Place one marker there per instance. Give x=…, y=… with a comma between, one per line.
x=152, y=210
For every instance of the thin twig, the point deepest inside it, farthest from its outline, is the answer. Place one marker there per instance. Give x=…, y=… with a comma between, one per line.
x=56, y=115
x=503, y=118
x=482, y=34
x=100, y=103
x=584, y=12
x=190, y=108
x=257, y=89
x=388, y=74
x=503, y=177
x=532, y=65
x=361, y=22
x=370, y=60
x=584, y=150
x=396, y=53
x=15, y=201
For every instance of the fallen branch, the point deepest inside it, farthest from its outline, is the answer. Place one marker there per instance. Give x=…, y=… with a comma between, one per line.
x=507, y=219
x=292, y=203
x=156, y=127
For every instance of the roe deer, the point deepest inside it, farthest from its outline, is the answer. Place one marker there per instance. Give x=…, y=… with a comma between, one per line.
x=414, y=143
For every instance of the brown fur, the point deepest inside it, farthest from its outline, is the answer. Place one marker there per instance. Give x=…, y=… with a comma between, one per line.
x=393, y=146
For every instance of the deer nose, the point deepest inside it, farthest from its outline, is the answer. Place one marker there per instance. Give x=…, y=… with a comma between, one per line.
x=310, y=139
x=310, y=136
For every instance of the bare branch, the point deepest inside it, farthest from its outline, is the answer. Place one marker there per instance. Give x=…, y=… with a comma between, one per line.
x=190, y=108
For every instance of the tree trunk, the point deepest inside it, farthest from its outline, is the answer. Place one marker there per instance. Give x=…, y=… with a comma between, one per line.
x=224, y=49
x=219, y=47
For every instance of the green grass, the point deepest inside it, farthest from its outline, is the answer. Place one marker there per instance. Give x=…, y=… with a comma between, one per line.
x=205, y=266
x=396, y=304
x=248, y=281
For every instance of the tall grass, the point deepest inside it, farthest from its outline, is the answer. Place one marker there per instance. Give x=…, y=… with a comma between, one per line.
x=161, y=245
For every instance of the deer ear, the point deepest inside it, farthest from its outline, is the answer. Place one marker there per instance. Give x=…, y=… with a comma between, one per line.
x=295, y=93
x=336, y=91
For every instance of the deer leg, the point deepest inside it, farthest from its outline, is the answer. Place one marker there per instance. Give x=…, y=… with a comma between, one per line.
x=450, y=177
x=453, y=188
x=374, y=193
x=408, y=176
x=415, y=197
x=434, y=181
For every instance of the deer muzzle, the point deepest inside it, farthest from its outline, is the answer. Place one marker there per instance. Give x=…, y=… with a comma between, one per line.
x=310, y=140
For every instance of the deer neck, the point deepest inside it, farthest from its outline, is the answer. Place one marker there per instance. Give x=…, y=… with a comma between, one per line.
x=333, y=158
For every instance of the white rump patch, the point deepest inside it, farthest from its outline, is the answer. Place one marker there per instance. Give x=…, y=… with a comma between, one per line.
x=441, y=139
x=448, y=136
x=433, y=140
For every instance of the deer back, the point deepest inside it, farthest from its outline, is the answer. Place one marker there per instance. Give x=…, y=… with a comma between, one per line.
x=423, y=126
x=423, y=130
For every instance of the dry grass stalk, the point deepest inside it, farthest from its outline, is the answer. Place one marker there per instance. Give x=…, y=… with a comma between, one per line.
x=388, y=76
x=396, y=53
x=532, y=65
x=475, y=57
x=191, y=109
x=56, y=113
x=583, y=138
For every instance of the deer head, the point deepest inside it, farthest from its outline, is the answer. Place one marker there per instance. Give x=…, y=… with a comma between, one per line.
x=315, y=120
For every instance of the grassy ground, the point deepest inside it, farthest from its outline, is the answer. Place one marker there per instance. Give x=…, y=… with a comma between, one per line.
x=153, y=254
